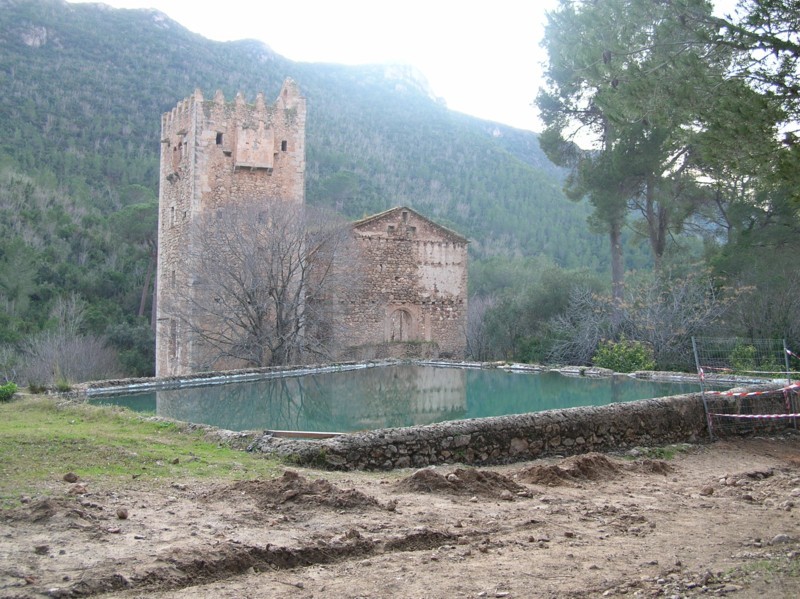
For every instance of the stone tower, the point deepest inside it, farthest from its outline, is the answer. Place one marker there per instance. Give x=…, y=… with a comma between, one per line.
x=217, y=154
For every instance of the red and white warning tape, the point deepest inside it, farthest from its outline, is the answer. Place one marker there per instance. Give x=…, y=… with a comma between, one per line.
x=753, y=393
x=757, y=416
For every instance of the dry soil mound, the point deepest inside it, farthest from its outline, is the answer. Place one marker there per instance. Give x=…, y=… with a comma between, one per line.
x=291, y=488
x=592, y=466
x=462, y=482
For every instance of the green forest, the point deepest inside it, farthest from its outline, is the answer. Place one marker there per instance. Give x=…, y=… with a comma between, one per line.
x=679, y=217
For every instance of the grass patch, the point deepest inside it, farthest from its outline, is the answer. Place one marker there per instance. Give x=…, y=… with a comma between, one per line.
x=43, y=438
x=667, y=452
x=768, y=569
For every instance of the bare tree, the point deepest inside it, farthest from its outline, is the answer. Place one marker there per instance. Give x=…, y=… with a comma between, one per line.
x=580, y=329
x=662, y=311
x=267, y=280
x=478, y=341
x=665, y=312
x=64, y=354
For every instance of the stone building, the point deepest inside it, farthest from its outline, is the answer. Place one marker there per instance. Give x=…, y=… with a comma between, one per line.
x=218, y=155
x=412, y=298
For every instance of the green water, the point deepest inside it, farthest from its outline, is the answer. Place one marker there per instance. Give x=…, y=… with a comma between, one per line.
x=384, y=397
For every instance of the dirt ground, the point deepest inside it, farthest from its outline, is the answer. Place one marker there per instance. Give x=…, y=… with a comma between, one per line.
x=713, y=520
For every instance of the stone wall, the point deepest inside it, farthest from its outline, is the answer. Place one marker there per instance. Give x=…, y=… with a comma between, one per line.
x=214, y=155
x=412, y=298
x=508, y=439
x=407, y=350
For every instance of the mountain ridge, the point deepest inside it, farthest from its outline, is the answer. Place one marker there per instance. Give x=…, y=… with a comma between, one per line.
x=69, y=36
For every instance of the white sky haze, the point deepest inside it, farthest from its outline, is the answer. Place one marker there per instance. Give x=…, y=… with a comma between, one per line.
x=483, y=58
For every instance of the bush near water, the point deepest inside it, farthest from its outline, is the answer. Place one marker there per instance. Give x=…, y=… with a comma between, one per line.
x=7, y=391
x=624, y=355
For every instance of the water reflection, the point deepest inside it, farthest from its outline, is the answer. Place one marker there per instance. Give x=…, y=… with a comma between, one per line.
x=382, y=397
x=342, y=401
x=491, y=393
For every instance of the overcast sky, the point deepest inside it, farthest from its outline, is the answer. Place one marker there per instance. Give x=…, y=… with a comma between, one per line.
x=481, y=57
x=484, y=58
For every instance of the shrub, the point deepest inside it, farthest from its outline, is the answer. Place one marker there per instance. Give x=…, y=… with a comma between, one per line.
x=7, y=391
x=55, y=357
x=743, y=359
x=63, y=386
x=62, y=353
x=624, y=356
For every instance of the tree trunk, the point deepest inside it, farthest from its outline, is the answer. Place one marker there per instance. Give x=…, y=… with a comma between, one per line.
x=656, y=215
x=617, y=270
x=146, y=287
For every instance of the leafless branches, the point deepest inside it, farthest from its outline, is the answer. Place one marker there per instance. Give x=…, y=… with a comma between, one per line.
x=663, y=312
x=64, y=354
x=479, y=346
x=265, y=286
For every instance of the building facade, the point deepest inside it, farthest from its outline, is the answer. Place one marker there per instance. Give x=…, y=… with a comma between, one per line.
x=412, y=296
x=218, y=155
x=214, y=155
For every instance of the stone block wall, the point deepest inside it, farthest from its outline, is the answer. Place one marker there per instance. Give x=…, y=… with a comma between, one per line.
x=217, y=154
x=413, y=294
x=507, y=439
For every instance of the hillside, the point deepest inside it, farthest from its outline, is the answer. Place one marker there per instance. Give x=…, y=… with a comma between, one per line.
x=82, y=91
x=82, y=88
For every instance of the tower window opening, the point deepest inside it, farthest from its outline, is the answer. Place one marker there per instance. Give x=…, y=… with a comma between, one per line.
x=219, y=139
x=284, y=145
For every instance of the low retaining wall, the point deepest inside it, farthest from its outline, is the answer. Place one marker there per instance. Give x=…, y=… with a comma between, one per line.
x=505, y=439
x=201, y=379
x=204, y=379
x=482, y=441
